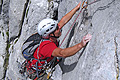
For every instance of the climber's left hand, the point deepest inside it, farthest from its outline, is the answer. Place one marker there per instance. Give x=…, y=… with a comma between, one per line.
x=78, y=6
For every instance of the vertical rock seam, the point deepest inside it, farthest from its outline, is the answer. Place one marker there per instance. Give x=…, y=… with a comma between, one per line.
x=1, y=6
x=116, y=59
x=6, y=63
x=23, y=17
x=22, y=20
x=4, y=8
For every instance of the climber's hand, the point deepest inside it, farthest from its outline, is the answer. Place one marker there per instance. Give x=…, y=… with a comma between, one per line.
x=78, y=6
x=86, y=39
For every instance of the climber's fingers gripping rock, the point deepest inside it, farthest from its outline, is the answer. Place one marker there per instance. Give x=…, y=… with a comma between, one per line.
x=86, y=39
x=78, y=6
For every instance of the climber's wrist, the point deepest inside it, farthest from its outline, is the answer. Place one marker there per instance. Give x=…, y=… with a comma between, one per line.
x=80, y=45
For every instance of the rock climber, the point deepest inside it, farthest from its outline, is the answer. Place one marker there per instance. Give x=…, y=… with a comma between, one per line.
x=51, y=30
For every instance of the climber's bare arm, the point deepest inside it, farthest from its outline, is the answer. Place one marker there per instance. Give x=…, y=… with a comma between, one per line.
x=58, y=52
x=68, y=16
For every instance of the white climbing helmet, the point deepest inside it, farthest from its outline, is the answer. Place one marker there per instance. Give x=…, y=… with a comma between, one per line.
x=46, y=26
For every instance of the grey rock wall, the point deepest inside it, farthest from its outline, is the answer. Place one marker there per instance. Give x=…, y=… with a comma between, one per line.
x=4, y=31
x=99, y=60
x=16, y=14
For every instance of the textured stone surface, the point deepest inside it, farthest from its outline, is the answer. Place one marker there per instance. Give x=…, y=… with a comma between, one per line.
x=16, y=14
x=2, y=51
x=99, y=60
x=4, y=20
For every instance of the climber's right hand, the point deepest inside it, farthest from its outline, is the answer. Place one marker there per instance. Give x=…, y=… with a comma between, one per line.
x=86, y=39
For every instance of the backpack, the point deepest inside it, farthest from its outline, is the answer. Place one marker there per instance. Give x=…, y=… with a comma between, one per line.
x=30, y=45
x=28, y=49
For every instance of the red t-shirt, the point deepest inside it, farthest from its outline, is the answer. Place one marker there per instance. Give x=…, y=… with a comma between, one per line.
x=45, y=50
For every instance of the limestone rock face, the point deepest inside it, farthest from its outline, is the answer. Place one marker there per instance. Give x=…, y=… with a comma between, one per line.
x=98, y=60
x=16, y=16
x=4, y=23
